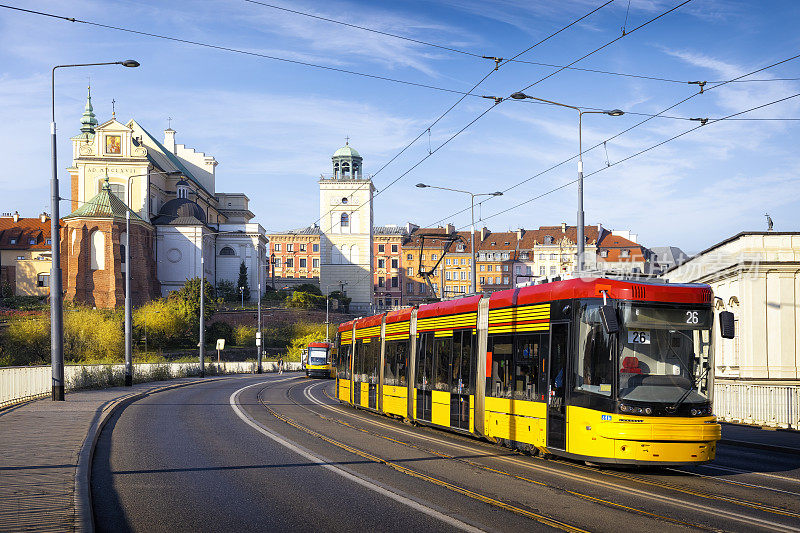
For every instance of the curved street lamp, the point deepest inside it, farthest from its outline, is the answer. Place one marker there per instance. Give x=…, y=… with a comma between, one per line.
x=56, y=296
x=611, y=112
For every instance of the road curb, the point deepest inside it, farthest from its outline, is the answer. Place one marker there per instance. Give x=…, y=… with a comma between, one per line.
x=84, y=515
x=760, y=446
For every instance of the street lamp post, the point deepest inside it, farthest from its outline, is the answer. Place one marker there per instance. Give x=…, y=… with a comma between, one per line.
x=56, y=296
x=614, y=113
x=473, y=285
x=128, y=309
x=260, y=341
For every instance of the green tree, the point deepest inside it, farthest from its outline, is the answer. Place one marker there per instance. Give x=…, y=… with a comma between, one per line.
x=305, y=300
x=242, y=282
x=309, y=288
x=344, y=301
x=227, y=291
x=189, y=297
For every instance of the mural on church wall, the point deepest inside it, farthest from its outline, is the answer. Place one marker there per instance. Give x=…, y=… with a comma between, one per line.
x=113, y=144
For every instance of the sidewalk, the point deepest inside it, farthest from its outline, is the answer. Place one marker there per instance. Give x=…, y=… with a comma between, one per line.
x=778, y=440
x=42, y=460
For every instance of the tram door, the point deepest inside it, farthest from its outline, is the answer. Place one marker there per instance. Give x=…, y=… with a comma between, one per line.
x=557, y=377
x=424, y=378
x=355, y=385
x=460, y=389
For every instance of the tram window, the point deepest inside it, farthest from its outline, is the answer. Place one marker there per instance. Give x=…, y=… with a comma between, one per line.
x=344, y=362
x=444, y=348
x=466, y=362
x=425, y=366
x=594, y=369
x=501, y=383
x=456, y=383
x=528, y=352
x=358, y=357
x=389, y=365
x=401, y=362
x=371, y=366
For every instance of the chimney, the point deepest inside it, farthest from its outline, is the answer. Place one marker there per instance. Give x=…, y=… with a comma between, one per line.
x=599, y=231
x=169, y=139
x=520, y=233
x=450, y=228
x=484, y=233
x=563, y=227
x=16, y=217
x=43, y=217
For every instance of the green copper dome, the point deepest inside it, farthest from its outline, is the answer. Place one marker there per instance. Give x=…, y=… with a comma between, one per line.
x=346, y=151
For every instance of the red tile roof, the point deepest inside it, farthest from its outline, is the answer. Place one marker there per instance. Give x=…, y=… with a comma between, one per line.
x=537, y=236
x=23, y=231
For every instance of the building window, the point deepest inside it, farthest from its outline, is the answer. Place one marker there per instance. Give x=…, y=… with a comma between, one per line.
x=505, y=268
x=381, y=263
x=381, y=281
x=604, y=253
x=542, y=271
x=97, y=252
x=552, y=271
x=518, y=269
x=315, y=248
x=505, y=280
x=31, y=241
x=276, y=247
x=302, y=247
x=447, y=261
x=395, y=263
x=394, y=249
x=553, y=257
x=497, y=256
x=20, y=257
x=488, y=268
x=315, y=263
x=48, y=242
x=434, y=257
x=483, y=280
x=227, y=251
x=381, y=248
x=278, y=262
x=290, y=247
x=13, y=241
x=303, y=263
x=410, y=271
x=344, y=220
x=447, y=275
x=410, y=257
x=505, y=255
x=523, y=255
x=289, y=262
x=548, y=239
x=482, y=268
x=43, y=280
x=395, y=282
x=625, y=253
x=422, y=257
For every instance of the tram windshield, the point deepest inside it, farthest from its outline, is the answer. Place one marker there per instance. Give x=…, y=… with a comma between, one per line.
x=317, y=356
x=665, y=354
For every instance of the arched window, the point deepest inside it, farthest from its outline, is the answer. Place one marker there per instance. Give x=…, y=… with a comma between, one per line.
x=345, y=170
x=343, y=255
x=344, y=220
x=97, y=254
x=227, y=251
x=354, y=254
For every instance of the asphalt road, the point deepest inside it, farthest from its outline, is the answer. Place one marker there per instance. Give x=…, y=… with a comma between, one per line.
x=280, y=454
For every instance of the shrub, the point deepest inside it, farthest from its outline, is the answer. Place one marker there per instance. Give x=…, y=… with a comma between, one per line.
x=26, y=341
x=309, y=288
x=26, y=303
x=306, y=300
x=220, y=330
x=93, y=334
x=189, y=297
x=242, y=282
x=244, y=336
x=166, y=321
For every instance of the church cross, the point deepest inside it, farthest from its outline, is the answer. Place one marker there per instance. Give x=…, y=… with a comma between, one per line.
x=169, y=123
x=113, y=108
x=347, y=139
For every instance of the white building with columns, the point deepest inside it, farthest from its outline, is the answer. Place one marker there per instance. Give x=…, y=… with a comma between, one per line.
x=345, y=207
x=755, y=275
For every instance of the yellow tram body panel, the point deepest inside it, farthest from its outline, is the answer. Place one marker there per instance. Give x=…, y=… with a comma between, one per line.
x=440, y=408
x=364, y=394
x=344, y=390
x=628, y=438
x=319, y=369
x=395, y=400
x=517, y=420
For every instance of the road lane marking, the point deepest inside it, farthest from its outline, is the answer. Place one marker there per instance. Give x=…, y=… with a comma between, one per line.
x=325, y=463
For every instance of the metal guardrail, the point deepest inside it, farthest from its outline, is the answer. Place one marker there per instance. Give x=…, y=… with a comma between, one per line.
x=22, y=383
x=759, y=404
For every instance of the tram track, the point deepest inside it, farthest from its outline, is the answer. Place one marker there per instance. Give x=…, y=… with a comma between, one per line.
x=540, y=518
x=748, y=519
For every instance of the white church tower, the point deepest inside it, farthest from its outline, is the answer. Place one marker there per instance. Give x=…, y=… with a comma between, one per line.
x=345, y=208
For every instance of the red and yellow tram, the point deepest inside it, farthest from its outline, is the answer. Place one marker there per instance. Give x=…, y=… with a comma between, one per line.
x=600, y=370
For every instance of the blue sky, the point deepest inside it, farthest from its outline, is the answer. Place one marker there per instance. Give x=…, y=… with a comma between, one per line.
x=273, y=125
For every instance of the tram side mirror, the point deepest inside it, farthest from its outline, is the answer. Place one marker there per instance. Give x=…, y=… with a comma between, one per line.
x=727, y=329
x=609, y=319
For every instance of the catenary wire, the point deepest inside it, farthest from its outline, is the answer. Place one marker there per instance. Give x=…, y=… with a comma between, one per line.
x=636, y=154
x=368, y=274
x=422, y=133
x=514, y=186
x=483, y=56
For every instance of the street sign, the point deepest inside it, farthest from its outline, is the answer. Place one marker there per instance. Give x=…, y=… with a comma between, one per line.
x=258, y=341
x=258, y=335
x=220, y=344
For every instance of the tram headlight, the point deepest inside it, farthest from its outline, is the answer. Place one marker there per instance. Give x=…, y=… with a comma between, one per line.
x=623, y=408
x=648, y=411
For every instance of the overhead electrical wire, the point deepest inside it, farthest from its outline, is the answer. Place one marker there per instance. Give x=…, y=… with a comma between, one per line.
x=484, y=56
x=440, y=117
x=650, y=117
x=636, y=154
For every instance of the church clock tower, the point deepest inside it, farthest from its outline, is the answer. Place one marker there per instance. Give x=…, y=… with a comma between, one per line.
x=345, y=209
